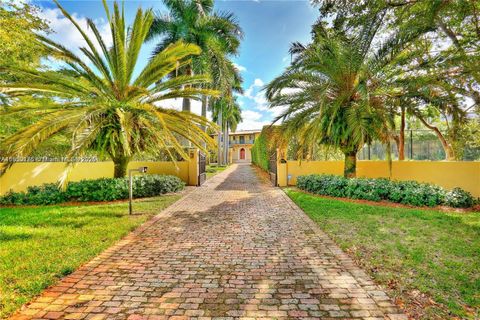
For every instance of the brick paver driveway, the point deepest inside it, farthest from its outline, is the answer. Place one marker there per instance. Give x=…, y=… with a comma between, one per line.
x=235, y=247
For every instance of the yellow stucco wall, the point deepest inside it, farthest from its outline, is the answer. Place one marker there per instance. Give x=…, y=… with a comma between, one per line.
x=22, y=175
x=447, y=174
x=282, y=174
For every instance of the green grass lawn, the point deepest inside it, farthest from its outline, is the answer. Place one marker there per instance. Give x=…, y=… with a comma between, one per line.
x=214, y=169
x=418, y=254
x=38, y=245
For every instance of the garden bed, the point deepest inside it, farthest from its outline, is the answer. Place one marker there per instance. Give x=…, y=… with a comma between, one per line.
x=381, y=189
x=95, y=190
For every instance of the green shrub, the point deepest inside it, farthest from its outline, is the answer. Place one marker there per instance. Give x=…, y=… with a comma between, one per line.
x=459, y=198
x=406, y=192
x=152, y=185
x=45, y=194
x=104, y=189
x=363, y=189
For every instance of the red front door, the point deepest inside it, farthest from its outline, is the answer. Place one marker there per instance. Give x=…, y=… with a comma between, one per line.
x=242, y=154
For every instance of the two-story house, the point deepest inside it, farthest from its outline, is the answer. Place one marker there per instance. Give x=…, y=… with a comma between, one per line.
x=240, y=145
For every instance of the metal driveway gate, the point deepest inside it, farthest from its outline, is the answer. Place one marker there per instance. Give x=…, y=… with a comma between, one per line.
x=202, y=168
x=272, y=168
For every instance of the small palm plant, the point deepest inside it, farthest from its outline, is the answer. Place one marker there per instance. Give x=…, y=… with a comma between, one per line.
x=100, y=103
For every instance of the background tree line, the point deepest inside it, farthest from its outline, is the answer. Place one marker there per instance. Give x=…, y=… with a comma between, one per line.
x=373, y=65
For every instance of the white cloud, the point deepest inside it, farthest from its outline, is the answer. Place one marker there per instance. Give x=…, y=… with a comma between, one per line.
x=260, y=102
x=258, y=82
x=258, y=96
x=239, y=67
x=251, y=120
x=66, y=34
x=251, y=115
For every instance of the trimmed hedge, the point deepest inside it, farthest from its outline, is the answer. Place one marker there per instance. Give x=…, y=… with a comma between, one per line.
x=260, y=152
x=104, y=189
x=405, y=192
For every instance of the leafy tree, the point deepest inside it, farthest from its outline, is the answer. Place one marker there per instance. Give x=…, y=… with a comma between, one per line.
x=18, y=25
x=194, y=21
x=105, y=108
x=468, y=143
x=337, y=88
x=443, y=78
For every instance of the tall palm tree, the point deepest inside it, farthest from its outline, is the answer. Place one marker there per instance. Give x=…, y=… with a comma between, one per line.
x=105, y=108
x=337, y=90
x=226, y=77
x=194, y=21
x=227, y=112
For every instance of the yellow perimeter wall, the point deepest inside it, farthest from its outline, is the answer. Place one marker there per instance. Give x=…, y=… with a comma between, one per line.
x=25, y=174
x=447, y=174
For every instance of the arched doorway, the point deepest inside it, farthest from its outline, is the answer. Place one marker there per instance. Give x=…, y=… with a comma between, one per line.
x=242, y=154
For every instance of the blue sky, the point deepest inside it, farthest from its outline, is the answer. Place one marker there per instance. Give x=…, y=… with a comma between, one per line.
x=269, y=27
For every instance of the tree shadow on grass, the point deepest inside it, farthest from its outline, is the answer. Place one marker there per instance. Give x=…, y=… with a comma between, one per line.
x=14, y=236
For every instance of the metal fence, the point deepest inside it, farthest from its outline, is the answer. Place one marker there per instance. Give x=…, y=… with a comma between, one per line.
x=419, y=145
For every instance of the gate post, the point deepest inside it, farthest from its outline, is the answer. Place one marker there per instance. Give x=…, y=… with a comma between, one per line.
x=193, y=168
x=282, y=168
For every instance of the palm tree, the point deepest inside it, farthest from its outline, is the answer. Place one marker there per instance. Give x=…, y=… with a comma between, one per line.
x=106, y=109
x=193, y=21
x=226, y=77
x=337, y=90
x=227, y=112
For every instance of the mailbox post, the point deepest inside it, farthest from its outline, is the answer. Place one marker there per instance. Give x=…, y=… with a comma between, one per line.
x=130, y=185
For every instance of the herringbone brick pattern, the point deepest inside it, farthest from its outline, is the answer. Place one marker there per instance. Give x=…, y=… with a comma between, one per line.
x=233, y=248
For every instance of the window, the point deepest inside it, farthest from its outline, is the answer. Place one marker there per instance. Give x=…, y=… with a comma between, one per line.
x=242, y=139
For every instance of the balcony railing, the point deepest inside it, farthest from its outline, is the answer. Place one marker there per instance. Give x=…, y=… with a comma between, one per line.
x=242, y=142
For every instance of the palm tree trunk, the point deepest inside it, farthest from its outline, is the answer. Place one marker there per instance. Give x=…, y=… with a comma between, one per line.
x=204, y=109
x=186, y=105
x=350, y=167
x=401, y=138
x=120, y=165
x=219, y=142
x=225, y=139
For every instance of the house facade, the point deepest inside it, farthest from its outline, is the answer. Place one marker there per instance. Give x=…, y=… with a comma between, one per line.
x=240, y=145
